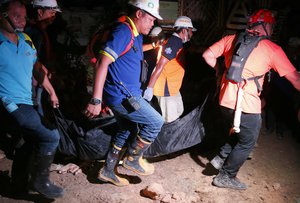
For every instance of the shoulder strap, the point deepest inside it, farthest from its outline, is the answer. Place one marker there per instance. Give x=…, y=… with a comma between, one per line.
x=130, y=45
x=98, y=37
x=244, y=43
x=252, y=45
x=255, y=79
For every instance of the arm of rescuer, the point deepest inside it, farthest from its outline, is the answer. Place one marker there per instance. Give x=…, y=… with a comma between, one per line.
x=150, y=46
x=101, y=73
x=294, y=78
x=212, y=61
x=40, y=73
x=148, y=94
x=280, y=59
x=147, y=47
x=210, y=58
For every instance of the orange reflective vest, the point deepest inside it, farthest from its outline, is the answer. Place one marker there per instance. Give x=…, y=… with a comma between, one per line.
x=170, y=79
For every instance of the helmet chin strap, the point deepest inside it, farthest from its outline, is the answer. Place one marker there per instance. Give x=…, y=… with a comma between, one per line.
x=189, y=36
x=186, y=37
x=265, y=29
x=5, y=15
x=256, y=32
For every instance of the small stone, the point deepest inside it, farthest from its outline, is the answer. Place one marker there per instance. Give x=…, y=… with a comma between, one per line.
x=276, y=186
x=154, y=191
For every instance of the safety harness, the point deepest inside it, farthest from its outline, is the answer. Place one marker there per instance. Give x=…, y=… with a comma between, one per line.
x=102, y=35
x=244, y=43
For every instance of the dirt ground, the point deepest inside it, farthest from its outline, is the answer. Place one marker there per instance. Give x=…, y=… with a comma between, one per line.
x=272, y=176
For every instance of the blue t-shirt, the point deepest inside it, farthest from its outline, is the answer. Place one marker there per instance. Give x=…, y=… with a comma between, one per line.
x=16, y=64
x=171, y=48
x=123, y=77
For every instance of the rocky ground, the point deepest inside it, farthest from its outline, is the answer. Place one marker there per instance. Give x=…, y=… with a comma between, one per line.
x=272, y=176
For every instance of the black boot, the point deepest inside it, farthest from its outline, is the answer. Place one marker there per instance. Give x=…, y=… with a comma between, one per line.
x=40, y=177
x=108, y=172
x=134, y=159
x=20, y=169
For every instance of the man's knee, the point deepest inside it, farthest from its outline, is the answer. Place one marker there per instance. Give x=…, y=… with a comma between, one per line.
x=159, y=123
x=55, y=137
x=150, y=132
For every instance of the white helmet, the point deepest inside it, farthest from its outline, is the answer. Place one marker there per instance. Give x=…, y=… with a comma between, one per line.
x=47, y=4
x=184, y=22
x=155, y=31
x=151, y=6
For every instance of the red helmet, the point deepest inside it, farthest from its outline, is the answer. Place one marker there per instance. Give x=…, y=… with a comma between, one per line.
x=261, y=16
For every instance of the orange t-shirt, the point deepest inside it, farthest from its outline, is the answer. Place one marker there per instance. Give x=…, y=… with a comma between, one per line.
x=171, y=78
x=265, y=56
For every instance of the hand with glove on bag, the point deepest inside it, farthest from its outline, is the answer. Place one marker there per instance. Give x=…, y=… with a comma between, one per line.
x=148, y=94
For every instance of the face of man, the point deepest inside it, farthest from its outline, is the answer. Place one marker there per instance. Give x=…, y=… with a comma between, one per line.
x=17, y=15
x=269, y=28
x=186, y=34
x=144, y=22
x=264, y=29
x=189, y=33
x=47, y=15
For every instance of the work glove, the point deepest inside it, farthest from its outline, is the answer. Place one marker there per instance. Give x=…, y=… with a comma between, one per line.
x=148, y=94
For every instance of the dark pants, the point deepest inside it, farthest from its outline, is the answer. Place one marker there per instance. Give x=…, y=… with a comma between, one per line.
x=239, y=145
x=34, y=129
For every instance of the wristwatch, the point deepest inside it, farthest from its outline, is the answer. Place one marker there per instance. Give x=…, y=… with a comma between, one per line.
x=95, y=101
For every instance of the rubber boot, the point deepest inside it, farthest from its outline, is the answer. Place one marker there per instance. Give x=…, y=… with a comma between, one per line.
x=40, y=177
x=20, y=169
x=134, y=159
x=108, y=172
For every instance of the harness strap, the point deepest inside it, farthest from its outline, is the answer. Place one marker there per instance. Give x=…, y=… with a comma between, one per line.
x=244, y=43
x=238, y=108
x=128, y=47
x=256, y=78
